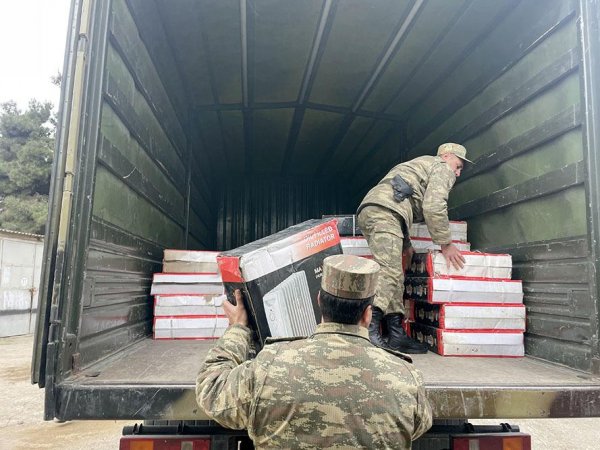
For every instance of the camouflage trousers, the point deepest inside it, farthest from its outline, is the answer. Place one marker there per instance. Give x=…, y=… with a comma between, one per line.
x=383, y=230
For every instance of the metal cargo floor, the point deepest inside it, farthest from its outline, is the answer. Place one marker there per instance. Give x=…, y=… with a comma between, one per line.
x=155, y=379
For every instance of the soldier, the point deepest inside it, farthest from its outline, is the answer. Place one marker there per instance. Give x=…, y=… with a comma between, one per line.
x=413, y=191
x=334, y=389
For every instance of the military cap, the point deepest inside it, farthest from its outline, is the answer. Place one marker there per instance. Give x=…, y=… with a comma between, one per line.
x=349, y=276
x=455, y=149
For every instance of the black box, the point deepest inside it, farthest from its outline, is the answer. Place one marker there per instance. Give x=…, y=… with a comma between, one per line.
x=346, y=225
x=427, y=314
x=280, y=276
x=427, y=335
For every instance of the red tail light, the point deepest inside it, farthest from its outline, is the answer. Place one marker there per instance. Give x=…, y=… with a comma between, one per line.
x=164, y=443
x=491, y=441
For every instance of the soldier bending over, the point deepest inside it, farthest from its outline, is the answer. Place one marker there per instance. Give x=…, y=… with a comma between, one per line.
x=413, y=191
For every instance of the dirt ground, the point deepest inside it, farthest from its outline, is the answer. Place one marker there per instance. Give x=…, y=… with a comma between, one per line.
x=22, y=425
x=22, y=405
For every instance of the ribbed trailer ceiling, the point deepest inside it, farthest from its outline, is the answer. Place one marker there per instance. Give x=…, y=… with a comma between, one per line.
x=312, y=87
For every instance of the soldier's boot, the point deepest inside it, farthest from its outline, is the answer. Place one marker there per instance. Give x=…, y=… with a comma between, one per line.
x=398, y=339
x=375, y=328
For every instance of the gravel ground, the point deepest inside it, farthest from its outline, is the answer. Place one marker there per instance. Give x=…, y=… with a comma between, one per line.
x=22, y=425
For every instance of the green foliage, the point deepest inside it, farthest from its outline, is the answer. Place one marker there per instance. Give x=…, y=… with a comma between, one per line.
x=25, y=213
x=26, y=150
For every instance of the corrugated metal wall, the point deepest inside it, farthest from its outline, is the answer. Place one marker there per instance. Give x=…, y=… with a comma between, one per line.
x=258, y=207
x=141, y=192
x=519, y=115
x=20, y=270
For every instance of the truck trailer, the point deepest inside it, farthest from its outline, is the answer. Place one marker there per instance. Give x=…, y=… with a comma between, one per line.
x=207, y=124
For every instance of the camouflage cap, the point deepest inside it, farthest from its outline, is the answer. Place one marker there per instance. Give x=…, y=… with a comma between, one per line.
x=349, y=276
x=455, y=149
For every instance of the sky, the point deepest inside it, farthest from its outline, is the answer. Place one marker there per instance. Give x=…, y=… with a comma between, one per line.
x=33, y=34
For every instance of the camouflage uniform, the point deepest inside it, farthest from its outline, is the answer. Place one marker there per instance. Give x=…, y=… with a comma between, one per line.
x=332, y=390
x=385, y=222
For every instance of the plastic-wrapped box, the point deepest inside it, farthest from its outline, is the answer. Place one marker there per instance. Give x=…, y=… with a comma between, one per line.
x=463, y=290
x=455, y=316
x=185, y=305
x=458, y=230
x=424, y=245
x=186, y=283
x=499, y=343
x=346, y=224
x=355, y=246
x=478, y=265
x=189, y=261
x=280, y=276
x=190, y=327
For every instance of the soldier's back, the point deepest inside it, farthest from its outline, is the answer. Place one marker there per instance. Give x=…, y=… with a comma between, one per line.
x=334, y=390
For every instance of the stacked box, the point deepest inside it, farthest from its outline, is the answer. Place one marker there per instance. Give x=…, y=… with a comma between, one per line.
x=346, y=224
x=461, y=316
x=189, y=261
x=475, y=311
x=477, y=265
x=186, y=284
x=188, y=301
x=444, y=289
x=458, y=230
x=280, y=276
x=425, y=244
x=355, y=246
x=358, y=245
x=189, y=327
x=499, y=343
x=188, y=305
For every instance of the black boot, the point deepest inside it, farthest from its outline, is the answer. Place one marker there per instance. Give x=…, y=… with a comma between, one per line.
x=398, y=339
x=375, y=328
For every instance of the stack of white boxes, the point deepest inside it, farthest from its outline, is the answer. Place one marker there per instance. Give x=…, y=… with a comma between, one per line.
x=353, y=243
x=188, y=296
x=474, y=311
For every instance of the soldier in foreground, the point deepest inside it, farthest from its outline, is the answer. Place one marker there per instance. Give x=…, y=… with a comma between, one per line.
x=414, y=191
x=334, y=389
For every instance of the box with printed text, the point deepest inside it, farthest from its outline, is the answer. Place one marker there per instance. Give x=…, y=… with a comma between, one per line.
x=474, y=316
x=479, y=265
x=496, y=343
x=280, y=276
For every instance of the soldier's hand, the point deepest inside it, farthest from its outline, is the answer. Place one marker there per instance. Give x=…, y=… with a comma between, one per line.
x=453, y=256
x=236, y=314
x=409, y=252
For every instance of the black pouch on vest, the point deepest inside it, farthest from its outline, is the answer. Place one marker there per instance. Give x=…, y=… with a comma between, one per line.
x=402, y=189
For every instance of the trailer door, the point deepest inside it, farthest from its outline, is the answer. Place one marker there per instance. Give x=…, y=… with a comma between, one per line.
x=72, y=177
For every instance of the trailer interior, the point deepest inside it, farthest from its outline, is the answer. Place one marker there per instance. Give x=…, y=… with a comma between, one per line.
x=206, y=124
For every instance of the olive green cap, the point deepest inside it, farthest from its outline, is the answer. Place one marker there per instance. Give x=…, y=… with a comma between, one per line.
x=455, y=149
x=349, y=276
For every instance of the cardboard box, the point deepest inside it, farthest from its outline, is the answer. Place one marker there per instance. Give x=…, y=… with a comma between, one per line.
x=355, y=246
x=280, y=276
x=500, y=343
x=479, y=265
x=189, y=261
x=346, y=224
x=190, y=327
x=186, y=283
x=458, y=316
x=463, y=290
x=424, y=245
x=185, y=305
x=458, y=230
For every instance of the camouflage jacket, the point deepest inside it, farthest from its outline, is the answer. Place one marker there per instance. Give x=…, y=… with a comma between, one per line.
x=331, y=390
x=431, y=179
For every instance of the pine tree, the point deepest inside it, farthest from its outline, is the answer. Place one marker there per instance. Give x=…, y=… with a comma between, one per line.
x=26, y=151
